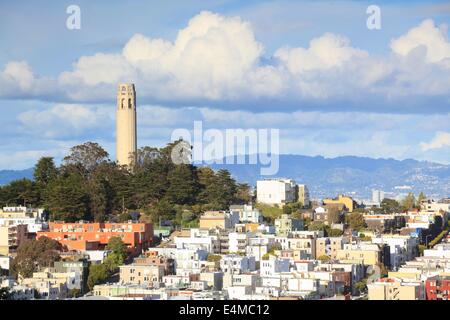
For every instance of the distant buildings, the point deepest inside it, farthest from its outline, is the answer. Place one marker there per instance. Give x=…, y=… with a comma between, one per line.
x=303, y=195
x=348, y=202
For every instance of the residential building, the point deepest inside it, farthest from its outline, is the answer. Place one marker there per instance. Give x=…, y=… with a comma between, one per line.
x=348, y=202
x=96, y=235
x=11, y=237
x=402, y=248
x=303, y=195
x=276, y=191
x=219, y=219
x=233, y=263
x=438, y=288
x=247, y=213
x=395, y=289
x=137, y=273
x=285, y=225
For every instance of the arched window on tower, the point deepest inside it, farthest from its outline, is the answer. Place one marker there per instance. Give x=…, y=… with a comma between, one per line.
x=122, y=103
x=129, y=103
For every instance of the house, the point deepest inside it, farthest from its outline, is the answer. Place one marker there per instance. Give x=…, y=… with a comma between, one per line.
x=247, y=213
x=219, y=219
x=395, y=289
x=438, y=288
x=276, y=191
x=137, y=273
x=285, y=225
x=11, y=236
x=348, y=202
x=233, y=263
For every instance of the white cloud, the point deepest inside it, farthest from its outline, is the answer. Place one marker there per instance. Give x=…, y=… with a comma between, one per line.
x=66, y=120
x=427, y=35
x=325, y=52
x=440, y=140
x=217, y=60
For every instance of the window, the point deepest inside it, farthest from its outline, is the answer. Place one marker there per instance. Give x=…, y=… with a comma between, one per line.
x=129, y=103
x=122, y=103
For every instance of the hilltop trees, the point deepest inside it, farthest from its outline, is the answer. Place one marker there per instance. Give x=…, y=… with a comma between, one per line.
x=88, y=185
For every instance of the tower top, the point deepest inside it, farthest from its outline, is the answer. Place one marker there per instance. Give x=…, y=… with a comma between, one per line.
x=126, y=87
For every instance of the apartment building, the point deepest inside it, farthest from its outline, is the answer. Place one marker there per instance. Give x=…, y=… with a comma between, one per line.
x=401, y=248
x=219, y=219
x=237, y=264
x=367, y=254
x=96, y=235
x=348, y=202
x=395, y=289
x=303, y=195
x=276, y=191
x=137, y=273
x=285, y=225
x=329, y=246
x=11, y=236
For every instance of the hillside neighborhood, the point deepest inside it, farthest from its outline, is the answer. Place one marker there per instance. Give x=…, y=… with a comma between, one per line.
x=280, y=245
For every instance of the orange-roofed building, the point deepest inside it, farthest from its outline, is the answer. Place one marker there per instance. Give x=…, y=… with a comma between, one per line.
x=95, y=235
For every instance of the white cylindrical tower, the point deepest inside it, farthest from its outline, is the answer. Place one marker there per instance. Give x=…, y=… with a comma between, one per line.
x=126, y=133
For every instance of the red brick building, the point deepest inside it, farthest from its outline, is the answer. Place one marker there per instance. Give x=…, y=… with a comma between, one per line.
x=95, y=235
x=438, y=288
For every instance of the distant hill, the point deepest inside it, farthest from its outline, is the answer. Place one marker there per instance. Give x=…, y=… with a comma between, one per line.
x=330, y=176
x=7, y=176
x=357, y=175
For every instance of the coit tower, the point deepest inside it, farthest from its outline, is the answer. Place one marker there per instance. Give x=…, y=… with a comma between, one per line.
x=126, y=145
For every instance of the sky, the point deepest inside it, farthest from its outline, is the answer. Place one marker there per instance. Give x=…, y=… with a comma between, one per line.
x=312, y=69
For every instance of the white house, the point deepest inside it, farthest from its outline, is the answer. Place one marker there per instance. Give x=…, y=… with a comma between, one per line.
x=276, y=191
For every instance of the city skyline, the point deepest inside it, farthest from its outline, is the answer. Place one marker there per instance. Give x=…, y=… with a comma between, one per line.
x=394, y=104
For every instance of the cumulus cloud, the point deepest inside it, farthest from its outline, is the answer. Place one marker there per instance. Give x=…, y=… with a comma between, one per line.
x=325, y=52
x=217, y=60
x=425, y=36
x=440, y=140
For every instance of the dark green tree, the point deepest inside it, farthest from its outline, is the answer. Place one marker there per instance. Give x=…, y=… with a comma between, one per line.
x=67, y=198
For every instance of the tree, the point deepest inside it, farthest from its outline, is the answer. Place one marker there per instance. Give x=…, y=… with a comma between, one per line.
x=86, y=157
x=44, y=171
x=420, y=198
x=361, y=286
x=35, y=254
x=214, y=258
x=324, y=258
x=316, y=226
x=390, y=206
x=355, y=221
x=67, y=198
x=243, y=195
x=4, y=294
x=118, y=255
x=183, y=184
x=409, y=202
x=335, y=233
x=20, y=192
x=98, y=273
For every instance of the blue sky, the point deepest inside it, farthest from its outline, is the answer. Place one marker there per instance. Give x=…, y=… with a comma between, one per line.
x=310, y=68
